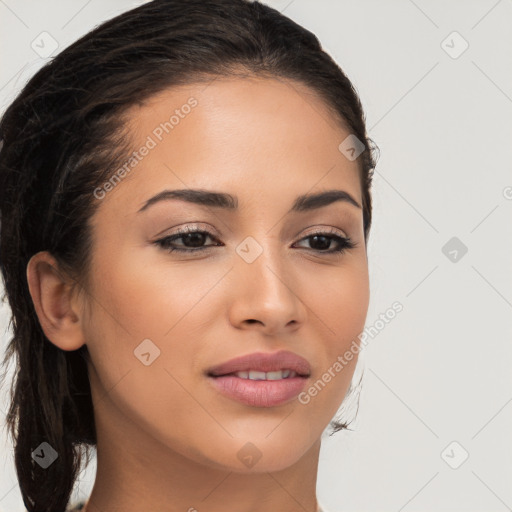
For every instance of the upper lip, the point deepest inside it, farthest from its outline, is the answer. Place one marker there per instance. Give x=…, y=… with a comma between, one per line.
x=264, y=362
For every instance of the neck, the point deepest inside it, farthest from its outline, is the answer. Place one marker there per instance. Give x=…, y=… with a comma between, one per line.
x=137, y=472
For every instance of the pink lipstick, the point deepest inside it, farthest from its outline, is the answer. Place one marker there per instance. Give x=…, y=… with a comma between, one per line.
x=261, y=379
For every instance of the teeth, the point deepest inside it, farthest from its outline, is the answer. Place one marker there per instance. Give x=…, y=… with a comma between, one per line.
x=255, y=375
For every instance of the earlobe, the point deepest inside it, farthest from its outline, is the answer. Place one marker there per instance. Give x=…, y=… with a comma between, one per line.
x=51, y=295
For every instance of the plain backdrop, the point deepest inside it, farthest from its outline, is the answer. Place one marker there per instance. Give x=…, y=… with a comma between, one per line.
x=435, y=78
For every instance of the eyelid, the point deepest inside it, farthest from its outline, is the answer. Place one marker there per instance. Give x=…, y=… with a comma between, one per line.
x=191, y=226
x=325, y=229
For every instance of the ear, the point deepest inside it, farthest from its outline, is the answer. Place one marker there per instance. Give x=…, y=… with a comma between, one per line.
x=52, y=297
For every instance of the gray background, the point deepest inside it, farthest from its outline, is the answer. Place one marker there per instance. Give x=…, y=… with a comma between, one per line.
x=437, y=373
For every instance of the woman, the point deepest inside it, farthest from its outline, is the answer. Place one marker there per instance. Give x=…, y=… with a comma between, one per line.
x=185, y=207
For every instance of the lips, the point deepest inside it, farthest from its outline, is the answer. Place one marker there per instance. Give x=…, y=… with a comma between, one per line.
x=263, y=362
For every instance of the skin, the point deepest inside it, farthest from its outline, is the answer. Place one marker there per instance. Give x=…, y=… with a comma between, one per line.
x=166, y=439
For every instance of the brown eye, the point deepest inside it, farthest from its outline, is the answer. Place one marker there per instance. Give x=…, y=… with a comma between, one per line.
x=321, y=241
x=192, y=239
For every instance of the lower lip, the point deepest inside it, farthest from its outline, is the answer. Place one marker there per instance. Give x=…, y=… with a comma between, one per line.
x=259, y=393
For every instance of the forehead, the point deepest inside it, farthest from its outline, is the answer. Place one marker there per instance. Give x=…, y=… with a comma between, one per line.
x=254, y=137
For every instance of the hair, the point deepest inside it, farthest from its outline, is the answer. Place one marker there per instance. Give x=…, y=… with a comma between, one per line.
x=64, y=135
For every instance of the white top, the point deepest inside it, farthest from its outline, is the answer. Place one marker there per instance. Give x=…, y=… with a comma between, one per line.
x=321, y=508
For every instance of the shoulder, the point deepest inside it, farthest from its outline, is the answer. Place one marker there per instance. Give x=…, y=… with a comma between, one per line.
x=321, y=508
x=76, y=507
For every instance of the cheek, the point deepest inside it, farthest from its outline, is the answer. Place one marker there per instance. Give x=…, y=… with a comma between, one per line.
x=342, y=309
x=143, y=315
x=169, y=303
x=148, y=293
x=340, y=301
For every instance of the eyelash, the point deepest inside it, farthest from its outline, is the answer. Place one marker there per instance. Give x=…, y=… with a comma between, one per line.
x=345, y=243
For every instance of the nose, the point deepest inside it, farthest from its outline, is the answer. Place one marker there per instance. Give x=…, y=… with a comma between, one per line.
x=266, y=295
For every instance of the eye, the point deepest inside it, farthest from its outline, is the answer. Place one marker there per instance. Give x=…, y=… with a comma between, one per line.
x=188, y=235
x=193, y=240
x=321, y=240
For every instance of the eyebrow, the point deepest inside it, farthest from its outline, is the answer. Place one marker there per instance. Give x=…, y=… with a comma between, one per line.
x=303, y=203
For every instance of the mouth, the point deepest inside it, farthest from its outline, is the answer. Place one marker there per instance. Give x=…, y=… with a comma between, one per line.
x=261, y=380
x=263, y=366
x=259, y=375
x=259, y=392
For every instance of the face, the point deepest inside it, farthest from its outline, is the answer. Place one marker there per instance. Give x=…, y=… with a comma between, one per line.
x=255, y=277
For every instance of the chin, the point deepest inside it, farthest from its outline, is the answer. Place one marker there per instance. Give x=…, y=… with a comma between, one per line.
x=249, y=456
